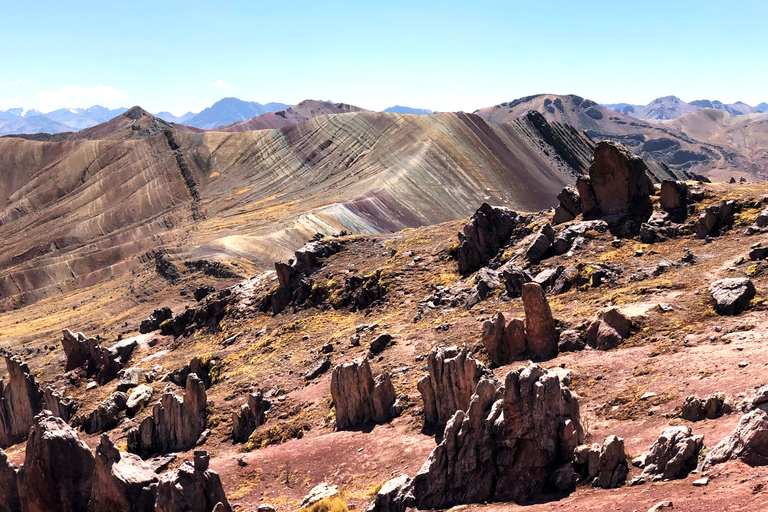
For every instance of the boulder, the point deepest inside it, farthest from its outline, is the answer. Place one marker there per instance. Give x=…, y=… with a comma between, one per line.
x=612, y=463
x=714, y=218
x=566, y=237
x=732, y=295
x=570, y=341
x=541, y=243
x=107, y=415
x=608, y=329
x=252, y=415
x=202, y=292
x=509, y=445
x=153, y=321
x=320, y=368
x=486, y=280
x=319, y=493
x=94, y=358
x=130, y=378
x=697, y=409
x=139, y=397
x=673, y=455
x=618, y=183
x=54, y=401
x=748, y=442
x=390, y=497
x=58, y=468
x=674, y=196
x=514, y=278
x=20, y=401
x=504, y=342
x=569, y=207
x=9, y=492
x=453, y=377
x=175, y=424
x=200, y=366
x=359, y=397
x=191, y=488
x=379, y=343
x=539, y=325
x=122, y=481
x=480, y=239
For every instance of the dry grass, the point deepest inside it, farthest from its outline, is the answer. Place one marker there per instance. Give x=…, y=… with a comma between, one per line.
x=334, y=504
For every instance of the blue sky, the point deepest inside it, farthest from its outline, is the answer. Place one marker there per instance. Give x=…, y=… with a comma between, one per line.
x=180, y=56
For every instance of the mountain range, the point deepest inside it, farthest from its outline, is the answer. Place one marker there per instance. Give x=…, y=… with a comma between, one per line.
x=672, y=107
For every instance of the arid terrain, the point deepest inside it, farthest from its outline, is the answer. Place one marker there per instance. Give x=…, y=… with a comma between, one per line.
x=104, y=227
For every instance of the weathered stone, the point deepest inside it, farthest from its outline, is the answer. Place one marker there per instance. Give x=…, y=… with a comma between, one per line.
x=139, y=397
x=9, y=492
x=175, y=424
x=191, y=490
x=566, y=237
x=453, y=377
x=547, y=278
x=94, y=358
x=107, y=414
x=732, y=295
x=674, y=196
x=379, y=343
x=122, y=481
x=319, y=493
x=202, y=292
x=130, y=378
x=60, y=406
x=58, y=468
x=320, y=368
x=608, y=329
x=358, y=397
x=504, y=342
x=673, y=455
x=153, y=321
x=252, y=415
x=514, y=278
x=570, y=341
x=748, y=442
x=539, y=324
x=618, y=182
x=697, y=409
x=200, y=366
x=480, y=239
x=569, y=207
x=541, y=243
x=486, y=280
x=507, y=446
x=612, y=463
x=714, y=219
x=20, y=401
x=391, y=497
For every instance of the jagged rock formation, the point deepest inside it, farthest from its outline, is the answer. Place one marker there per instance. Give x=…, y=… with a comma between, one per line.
x=9, y=492
x=96, y=359
x=748, y=442
x=63, y=407
x=697, y=409
x=107, y=414
x=504, y=342
x=732, y=295
x=617, y=183
x=488, y=229
x=139, y=397
x=674, y=198
x=192, y=488
x=714, y=219
x=569, y=207
x=175, y=424
x=453, y=377
x=252, y=415
x=541, y=243
x=515, y=442
x=20, y=402
x=122, y=481
x=674, y=454
x=359, y=397
x=199, y=366
x=58, y=468
x=603, y=465
x=153, y=321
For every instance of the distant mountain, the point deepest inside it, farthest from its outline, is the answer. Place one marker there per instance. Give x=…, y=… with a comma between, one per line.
x=304, y=111
x=763, y=107
x=17, y=113
x=32, y=124
x=231, y=110
x=397, y=109
x=167, y=116
x=81, y=118
x=672, y=107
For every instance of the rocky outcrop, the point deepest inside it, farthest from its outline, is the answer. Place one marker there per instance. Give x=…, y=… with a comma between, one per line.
x=480, y=239
x=504, y=342
x=714, y=219
x=748, y=442
x=192, y=488
x=569, y=207
x=122, y=481
x=252, y=415
x=54, y=401
x=453, y=377
x=697, y=409
x=541, y=333
x=175, y=424
x=617, y=184
x=201, y=366
x=674, y=198
x=568, y=235
x=673, y=455
x=608, y=329
x=107, y=415
x=58, y=468
x=9, y=492
x=392, y=496
x=732, y=295
x=94, y=358
x=514, y=278
x=153, y=321
x=541, y=243
x=139, y=397
x=515, y=443
x=318, y=493
x=359, y=397
x=20, y=401
x=602, y=465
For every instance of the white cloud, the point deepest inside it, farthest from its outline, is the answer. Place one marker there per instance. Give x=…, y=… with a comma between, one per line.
x=220, y=83
x=75, y=96
x=14, y=82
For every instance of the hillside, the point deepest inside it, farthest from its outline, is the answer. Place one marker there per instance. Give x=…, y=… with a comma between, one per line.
x=303, y=111
x=81, y=210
